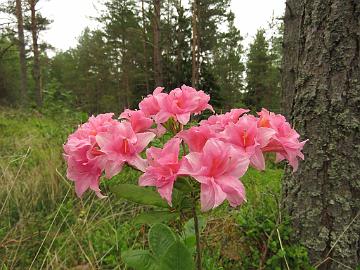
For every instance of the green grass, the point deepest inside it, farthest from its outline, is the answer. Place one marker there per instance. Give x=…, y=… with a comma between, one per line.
x=45, y=226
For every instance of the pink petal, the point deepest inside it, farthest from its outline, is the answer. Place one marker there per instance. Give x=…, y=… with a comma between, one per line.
x=234, y=189
x=162, y=117
x=159, y=130
x=95, y=187
x=191, y=164
x=146, y=180
x=279, y=157
x=257, y=159
x=138, y=162
x=209, y=107
x=183, y=118
x=103, y=140
x=207, y=197
x=125, y=129
x=99, y=195
x=241, y=165
x=81, y=187
x=143, y=139
x=112, y=168
x=158, y=90
x=264, y=135
x=211, y=196
x=170, y=152
x=165, y=191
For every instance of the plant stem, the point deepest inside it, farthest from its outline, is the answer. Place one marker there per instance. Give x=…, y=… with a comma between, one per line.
x=197, y=236
x=196, y=221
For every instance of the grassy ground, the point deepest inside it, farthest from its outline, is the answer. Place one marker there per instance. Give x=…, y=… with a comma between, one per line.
x=43, y=225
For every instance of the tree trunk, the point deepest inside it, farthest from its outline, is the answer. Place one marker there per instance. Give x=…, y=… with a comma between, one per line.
x=179, y=58
x=36, y=67
x=195, y=46
x=321, y=84
x=22, y=55
x=145, y=47
x=157, y=54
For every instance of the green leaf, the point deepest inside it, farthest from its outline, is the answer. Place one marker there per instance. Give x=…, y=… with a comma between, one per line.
x=189, y=232
x=177, y=258
x=183, y=185
x=139, y=260
x=189, y=227
x=161, y=238
x=190, y=243
x=180, y=200
x=152, y=217
x=139, y=195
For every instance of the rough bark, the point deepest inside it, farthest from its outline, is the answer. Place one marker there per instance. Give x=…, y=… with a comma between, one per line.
x=36, y=66
x=157, y=54
x=22, y=54
x=321, y=84
x=195, y=45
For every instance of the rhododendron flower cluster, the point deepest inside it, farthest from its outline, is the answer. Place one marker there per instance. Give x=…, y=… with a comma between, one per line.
x=213, y=154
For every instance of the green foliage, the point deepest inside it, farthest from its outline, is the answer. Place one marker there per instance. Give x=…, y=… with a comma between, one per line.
x=140, y=259
x=57, y=100
x=152, y=217
x=141, y=195
x=167, y=252
x=177, y=257
x=189, y=236
x=9, y=71
x=263, y=74
x=228, y=65
x=161, y=238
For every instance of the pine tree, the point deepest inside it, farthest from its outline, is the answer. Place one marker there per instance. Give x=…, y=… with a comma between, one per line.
x=22, y=54
x=176, y=33
x=10, y=77
x=34, y=28
x=211, y=14
x=157, y=57
x=228, y=65
x=262, y=81
x=124, y=37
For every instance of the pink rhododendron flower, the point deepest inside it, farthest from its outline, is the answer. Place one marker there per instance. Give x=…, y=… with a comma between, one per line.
x=84, y=172
x=163, y=168
x=150, y=105
x=181, y=103
x=249, y=139
x=138, y=120
x=196, y=137
x=220, y=121
x=121, y=144
x=285, y=141
x=218, y=168
x=83, y=156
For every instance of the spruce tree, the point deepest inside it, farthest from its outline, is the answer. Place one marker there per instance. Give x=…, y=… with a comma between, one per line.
x=262, y=89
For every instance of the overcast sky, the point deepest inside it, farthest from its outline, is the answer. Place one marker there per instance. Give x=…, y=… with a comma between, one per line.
x=70, y=17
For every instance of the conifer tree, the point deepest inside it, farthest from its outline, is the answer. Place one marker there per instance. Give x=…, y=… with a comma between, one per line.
x=261, y=77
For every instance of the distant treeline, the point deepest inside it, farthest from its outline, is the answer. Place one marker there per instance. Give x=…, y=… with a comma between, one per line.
x=140, y=45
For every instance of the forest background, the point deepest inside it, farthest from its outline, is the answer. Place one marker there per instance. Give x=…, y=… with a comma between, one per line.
x=138, y=46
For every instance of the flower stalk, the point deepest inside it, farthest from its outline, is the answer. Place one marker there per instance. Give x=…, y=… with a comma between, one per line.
x=197, y=235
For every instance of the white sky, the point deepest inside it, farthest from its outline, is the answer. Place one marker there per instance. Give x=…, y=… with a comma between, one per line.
x=70, y=17
x=250, y=15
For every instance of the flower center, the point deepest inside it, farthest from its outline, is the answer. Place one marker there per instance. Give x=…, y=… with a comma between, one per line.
x=245, y=138
x=126, y=146
x=95, y=151
x=264, y=122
